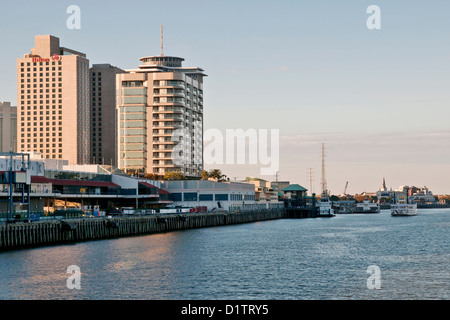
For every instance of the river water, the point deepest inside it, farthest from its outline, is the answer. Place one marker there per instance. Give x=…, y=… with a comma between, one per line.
x=287, y=259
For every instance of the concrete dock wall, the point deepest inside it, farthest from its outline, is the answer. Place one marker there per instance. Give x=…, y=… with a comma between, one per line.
x=23, y=235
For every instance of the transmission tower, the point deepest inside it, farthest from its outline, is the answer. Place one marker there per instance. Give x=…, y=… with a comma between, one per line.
x=310, y=176
x=324, y=179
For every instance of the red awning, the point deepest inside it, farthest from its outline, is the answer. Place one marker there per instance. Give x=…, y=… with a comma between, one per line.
x=147, y=184
x=39, y=179
x=161, y=191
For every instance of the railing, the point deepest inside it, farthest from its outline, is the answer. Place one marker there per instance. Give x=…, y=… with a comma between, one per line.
x=88, y=192
x=22, y=217
x=58, y=215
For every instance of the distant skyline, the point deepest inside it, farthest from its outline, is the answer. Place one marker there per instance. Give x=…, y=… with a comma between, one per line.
x=378, y=99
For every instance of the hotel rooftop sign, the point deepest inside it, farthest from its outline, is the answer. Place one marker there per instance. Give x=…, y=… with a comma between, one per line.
x=55, y=57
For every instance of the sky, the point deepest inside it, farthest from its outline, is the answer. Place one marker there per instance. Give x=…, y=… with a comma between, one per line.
x=312, y=70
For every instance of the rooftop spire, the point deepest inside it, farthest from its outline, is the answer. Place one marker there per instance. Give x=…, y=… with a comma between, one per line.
x=162, y=47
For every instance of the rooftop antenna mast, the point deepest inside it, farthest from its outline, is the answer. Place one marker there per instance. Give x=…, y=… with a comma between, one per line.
x=162, y=52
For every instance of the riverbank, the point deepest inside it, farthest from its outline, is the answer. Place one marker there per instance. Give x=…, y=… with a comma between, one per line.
x=35, y=234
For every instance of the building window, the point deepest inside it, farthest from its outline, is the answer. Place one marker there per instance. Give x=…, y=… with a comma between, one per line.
x=221, y=197
x=190, y=196
x=175, y=197
x=206, y=197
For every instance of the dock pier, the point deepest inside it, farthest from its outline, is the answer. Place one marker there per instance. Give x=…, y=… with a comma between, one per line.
x=301, y=212
x=42, y=233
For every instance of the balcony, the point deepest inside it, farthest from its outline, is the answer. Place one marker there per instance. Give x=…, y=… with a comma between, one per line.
x=173, y=117
x=172, y=103
x=169, y=84
x=168, y=109
x=132, y=84
x=169, y=125
x=169, y=92
x=168, y=157
x=163, y=133
x=161, y=148
x=162, y=141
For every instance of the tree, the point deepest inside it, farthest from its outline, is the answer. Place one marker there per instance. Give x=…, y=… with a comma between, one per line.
x=153, y=176
x=217, y=174
x=334, y=198
x=204, y=174
x=174, y=175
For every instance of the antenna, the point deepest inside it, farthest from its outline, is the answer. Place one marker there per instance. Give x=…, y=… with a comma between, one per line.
x=310, y=180
x=162, y=46
x=324, y=180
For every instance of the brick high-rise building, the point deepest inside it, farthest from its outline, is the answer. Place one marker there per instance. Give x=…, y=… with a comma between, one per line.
x=53, y=102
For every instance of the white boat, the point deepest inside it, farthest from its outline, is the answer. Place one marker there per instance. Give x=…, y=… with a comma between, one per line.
x=403, y=209
x=367, y=207
x=324, y=207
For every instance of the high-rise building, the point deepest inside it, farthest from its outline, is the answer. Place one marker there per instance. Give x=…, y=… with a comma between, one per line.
x=160, y=117
x=53, y=102
x=8, y=127
x=103, y=113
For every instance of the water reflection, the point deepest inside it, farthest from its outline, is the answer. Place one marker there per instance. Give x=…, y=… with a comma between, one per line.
x=281, y=259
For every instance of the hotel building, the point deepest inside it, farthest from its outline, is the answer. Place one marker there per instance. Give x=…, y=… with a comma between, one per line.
x=53, y=102
x=103, y=113
x=8, y=127
x=160, y=117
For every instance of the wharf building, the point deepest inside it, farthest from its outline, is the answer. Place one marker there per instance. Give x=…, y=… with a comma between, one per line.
x=416, y=195
x=213, y=195
x=263, y=190
x=55, y=185
x=8, y=127
x=53, y=113
x=160, y=117
x=403, y=194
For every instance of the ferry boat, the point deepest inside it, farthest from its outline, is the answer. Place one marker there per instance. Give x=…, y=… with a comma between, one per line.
x=367, y=207
x=324, y=207
x=403, y=209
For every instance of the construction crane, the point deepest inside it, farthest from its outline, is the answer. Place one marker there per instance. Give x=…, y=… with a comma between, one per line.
x=345, y=189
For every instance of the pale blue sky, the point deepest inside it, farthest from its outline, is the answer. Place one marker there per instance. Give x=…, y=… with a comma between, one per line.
x=309, y=68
